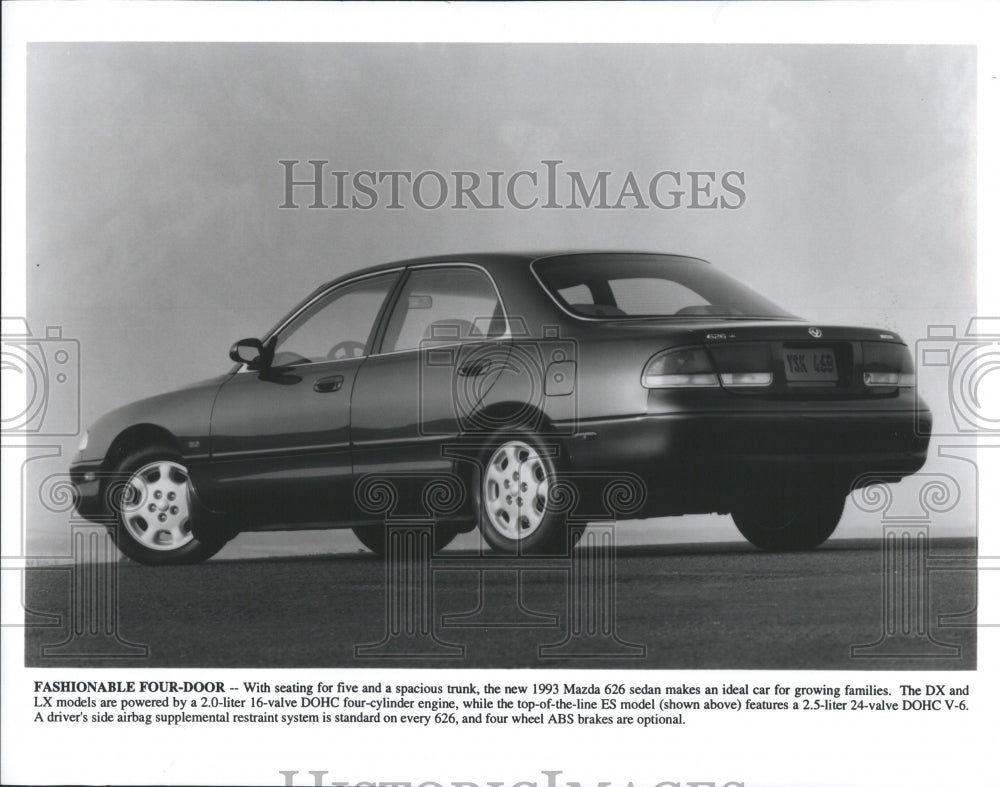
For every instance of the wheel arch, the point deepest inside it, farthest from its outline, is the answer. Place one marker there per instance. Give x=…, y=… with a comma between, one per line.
x=514, y=417
x=135, y=437
x=473, y=446
x=481, y=438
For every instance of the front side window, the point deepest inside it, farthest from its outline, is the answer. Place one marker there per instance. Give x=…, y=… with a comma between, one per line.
x=447, y=305
x=335, y=326
x=616, y=286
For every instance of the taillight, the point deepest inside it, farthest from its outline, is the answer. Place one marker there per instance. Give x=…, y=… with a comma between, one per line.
x=743, y=365
x=885, y=364
x=686, y=367
x=749, y=379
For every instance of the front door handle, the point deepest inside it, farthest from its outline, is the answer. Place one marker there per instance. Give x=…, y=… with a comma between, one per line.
x=328, y=384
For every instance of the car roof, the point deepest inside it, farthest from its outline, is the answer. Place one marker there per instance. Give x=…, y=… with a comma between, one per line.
x=491, y=260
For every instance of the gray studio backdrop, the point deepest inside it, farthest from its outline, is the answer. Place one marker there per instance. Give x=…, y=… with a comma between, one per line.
x=155, y=236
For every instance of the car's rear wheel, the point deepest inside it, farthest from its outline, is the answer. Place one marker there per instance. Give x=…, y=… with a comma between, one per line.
x=373, y=537
x=790, y=517
x=518, y=515
x=152, y=509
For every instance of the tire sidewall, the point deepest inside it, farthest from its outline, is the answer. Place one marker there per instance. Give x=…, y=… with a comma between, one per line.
x=551, y=536
x=194, y=551
x=804, y=526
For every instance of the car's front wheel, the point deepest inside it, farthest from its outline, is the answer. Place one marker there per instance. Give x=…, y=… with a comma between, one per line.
x=790, y=518
x=151, y=503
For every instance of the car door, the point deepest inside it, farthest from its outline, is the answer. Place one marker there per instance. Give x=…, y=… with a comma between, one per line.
x=443, y=340
x=280, y=438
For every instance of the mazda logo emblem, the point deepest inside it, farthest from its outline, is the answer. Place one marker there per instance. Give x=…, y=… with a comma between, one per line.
x=815, y=332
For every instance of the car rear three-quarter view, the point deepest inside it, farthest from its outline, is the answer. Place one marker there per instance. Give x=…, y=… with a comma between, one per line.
x=487, y=390
x=723, y=402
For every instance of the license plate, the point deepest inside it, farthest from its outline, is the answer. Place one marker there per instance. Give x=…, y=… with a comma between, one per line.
x=810, y=365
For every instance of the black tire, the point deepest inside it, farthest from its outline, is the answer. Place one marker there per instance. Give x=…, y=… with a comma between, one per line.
x=149, y=510
x=517, y=516
x=373, y=537
x=791, y=518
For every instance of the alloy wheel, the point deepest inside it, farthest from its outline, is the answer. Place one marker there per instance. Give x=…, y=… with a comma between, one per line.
x=155, y=506
x=515, y=490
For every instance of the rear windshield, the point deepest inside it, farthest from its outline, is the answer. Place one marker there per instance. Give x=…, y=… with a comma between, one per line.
x=613, y=286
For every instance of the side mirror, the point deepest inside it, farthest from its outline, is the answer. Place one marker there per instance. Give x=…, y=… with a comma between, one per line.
x=249, y=351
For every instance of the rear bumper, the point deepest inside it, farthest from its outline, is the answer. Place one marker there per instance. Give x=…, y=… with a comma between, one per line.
x=700, y=462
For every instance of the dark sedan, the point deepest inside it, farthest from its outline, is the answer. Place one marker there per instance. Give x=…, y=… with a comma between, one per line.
x=513, y=393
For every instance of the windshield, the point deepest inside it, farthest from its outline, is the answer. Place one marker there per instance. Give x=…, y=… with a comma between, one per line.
x=613, y=286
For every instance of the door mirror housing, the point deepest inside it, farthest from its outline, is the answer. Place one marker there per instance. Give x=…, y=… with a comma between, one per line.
x=252, y=352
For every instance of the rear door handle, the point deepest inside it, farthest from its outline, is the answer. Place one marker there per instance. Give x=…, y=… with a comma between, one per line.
x=328, y=384
x=474, y=369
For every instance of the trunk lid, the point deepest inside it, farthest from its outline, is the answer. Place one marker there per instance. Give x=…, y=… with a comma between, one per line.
x=790, y=358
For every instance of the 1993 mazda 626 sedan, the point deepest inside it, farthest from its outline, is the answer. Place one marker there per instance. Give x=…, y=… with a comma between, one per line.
x=505, y=392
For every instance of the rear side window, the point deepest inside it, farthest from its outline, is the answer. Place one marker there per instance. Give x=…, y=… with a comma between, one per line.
x=445, y=305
